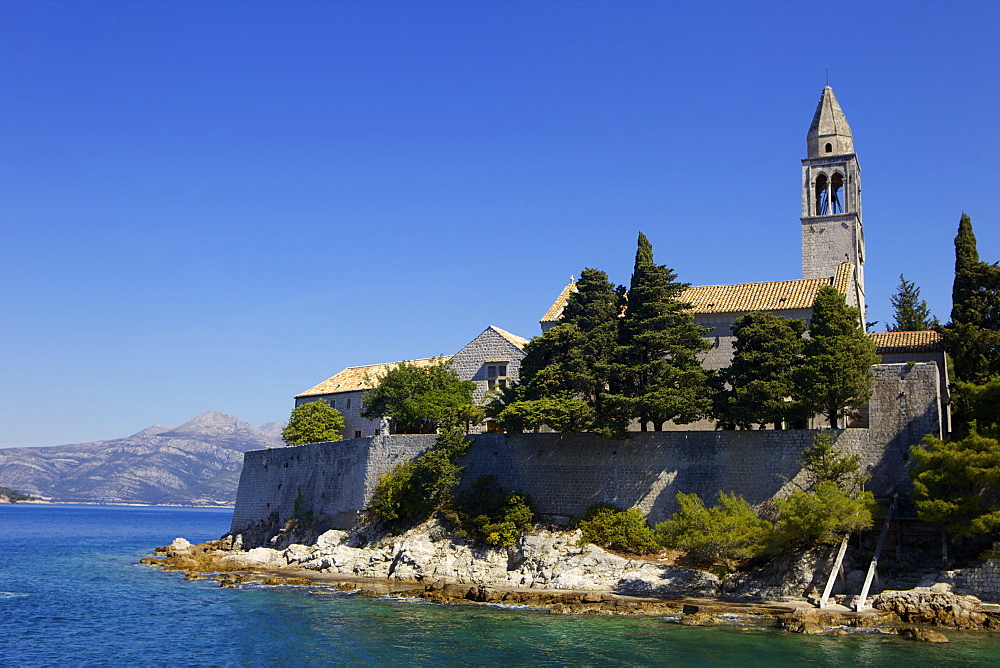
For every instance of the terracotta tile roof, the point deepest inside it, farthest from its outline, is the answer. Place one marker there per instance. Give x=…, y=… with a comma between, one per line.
x=353, y=378
x=555, y=311
x=513, y=338
x=742, y=297
x=770, y=296
x=906, y=342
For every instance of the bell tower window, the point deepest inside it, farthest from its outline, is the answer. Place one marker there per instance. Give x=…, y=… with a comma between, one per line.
x=822, y=191
x=837, y=193
x=829, y=148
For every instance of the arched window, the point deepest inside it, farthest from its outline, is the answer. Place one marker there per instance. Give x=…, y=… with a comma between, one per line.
x=829, y=148
x=822, y=192
x=837, y=193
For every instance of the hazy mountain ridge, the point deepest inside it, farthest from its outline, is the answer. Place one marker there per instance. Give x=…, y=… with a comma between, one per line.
x=196, y=463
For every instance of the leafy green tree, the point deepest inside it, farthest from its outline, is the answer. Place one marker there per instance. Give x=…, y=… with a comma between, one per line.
x=313, y=422
x=564, y=370
x=957, y=483
x=824, y=515
x=495, y=518
x=562, y=381
x=977, y=403
x=972, y=338
x=755, y=389
x=835, y=378
x=833, y=503
x=419, y=399
x=563, y=413
x=822, y=462
x=912, y=314
x=411, y=491
x=725, y=534
x=657, y=375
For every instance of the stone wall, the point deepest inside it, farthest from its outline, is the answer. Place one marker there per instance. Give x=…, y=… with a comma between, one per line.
x=566, y=473
x=983, y=581
x=335, y=480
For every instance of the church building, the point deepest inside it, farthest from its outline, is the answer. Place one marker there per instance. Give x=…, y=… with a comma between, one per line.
x=833, y=253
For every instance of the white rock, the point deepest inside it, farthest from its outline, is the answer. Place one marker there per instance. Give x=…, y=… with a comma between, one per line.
x=298, y=553
x=331, y=538
x=180, y=545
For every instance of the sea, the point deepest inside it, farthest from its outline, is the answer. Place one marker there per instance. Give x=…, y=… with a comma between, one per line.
x=72, y=593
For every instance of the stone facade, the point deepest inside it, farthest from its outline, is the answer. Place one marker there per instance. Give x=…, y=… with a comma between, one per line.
x=490, y=360
x=566, y=473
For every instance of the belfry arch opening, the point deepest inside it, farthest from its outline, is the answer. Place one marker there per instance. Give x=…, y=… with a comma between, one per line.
x=829, y=148
x=829, y=195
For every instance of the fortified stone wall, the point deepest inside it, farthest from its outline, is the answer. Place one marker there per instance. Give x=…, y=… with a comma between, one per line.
x=566, y=473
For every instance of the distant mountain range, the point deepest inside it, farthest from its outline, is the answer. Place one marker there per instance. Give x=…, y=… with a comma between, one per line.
x=197, y=463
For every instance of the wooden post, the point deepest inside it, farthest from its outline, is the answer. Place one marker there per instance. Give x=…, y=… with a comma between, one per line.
x=874, y=564
x=837, y=568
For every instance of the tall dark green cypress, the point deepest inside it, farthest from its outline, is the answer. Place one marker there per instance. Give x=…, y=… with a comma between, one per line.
x=972, y=338
x=657, y=375
x=966, y=266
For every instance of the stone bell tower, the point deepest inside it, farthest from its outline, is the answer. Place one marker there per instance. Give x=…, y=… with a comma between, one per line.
x=831, y=200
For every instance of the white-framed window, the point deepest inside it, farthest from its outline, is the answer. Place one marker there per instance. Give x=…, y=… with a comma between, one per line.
x=332, y=403
x=347, y=404
x=496, y=375
x=377, y=432
x=357, y=433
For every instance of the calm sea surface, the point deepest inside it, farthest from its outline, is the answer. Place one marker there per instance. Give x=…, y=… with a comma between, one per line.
x=73, y=594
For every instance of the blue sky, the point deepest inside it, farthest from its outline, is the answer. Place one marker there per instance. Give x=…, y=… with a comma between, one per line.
x=216, y=205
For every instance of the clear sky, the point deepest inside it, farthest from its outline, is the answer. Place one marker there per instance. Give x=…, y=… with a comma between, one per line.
x=217, y=205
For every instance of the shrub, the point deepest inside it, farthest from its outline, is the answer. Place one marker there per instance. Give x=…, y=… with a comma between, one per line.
x=724, y=534
x=823, y=515
x=612, y=527
x=411, y=491
x=494, y=517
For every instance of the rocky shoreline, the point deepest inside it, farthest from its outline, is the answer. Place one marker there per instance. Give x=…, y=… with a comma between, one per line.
x=550, y=570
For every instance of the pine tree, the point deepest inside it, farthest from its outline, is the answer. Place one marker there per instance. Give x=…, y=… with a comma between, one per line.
x=657, y=376
x=564, y=371
x=835, y=378
x=754, y=389
x=912, y=314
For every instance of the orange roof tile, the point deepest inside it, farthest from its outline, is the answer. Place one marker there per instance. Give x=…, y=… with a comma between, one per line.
x=518, y=341
x=355, y=378
x=741, y=297
x=906, y=342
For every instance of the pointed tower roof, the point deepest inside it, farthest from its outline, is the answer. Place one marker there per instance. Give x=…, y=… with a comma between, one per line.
x=829, y=133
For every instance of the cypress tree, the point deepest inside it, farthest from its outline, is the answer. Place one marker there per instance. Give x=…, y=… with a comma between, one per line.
x=912, y=314
x=657, y=374
x=972, y=338
x=835, y=378
x=754, y=389
x=966, y=264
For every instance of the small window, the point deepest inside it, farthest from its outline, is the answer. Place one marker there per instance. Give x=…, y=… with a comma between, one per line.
x=347, y=404
x=332, y=403
x=496, y=376
x=829, y=148
x=357, y=433
x=377, y=432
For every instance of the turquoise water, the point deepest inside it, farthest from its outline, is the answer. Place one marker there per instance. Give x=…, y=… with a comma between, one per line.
x=72, y=593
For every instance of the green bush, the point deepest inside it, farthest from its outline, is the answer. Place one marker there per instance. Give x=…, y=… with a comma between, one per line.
x=623, y=530
x=492, y=516
x=411, y=491
x=824, y=515
x=724, y=534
